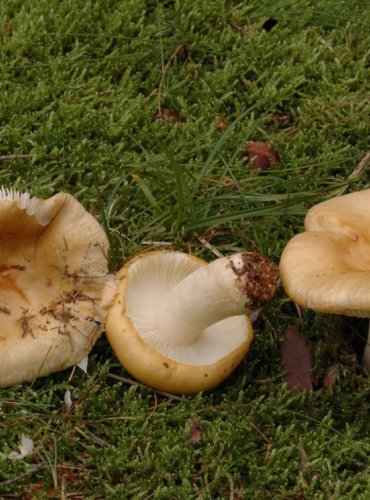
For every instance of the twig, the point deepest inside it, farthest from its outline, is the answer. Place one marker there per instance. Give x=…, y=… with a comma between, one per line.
x=298, y=309
x=303, y=456
x=21, y=476
x=63, y=490
x=25, y=156
x=91, y=437
x=330, y=48
x=354, y=175
x=265, y=438
x=165, y=69
x=209, y=246
x=360, y=167
x=133, y=382
x=16, y=157
x=157, y=243
x=232, y=489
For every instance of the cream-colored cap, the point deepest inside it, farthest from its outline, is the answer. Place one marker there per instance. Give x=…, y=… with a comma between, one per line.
x=327, y=268
x=54, y=284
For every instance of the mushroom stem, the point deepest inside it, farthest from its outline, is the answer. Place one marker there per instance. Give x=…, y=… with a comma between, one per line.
x=229, y=286
x=366, y=355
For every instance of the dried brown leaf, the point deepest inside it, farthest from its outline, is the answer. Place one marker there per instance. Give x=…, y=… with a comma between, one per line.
x=330, y=376
x=166, y=114
x=280, y=119
x=222, y=124
x=237, y=25
x=9, y=28
x=196, y=433
x=262, y=155
x=297, y=354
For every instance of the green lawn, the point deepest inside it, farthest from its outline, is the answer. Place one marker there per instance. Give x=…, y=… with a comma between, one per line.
x=81, y=83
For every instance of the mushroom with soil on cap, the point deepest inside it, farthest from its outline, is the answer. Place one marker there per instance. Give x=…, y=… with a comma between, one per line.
x=181, y=325
x=54, y=284
x=327, y=267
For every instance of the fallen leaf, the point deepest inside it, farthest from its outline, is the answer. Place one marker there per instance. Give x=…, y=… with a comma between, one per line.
x=349, y=358
x=237, y=25
x=9, y=28
x=279, y=119
x=40, y=485
x=72, y=474
x=227, y=182
x=303, y=456
x=262, y=155
x=52, y=492
x=222, y=124
x=297, y=354
x=291, y=131
x=195, y=432
x=330, y=376
x=166, y=114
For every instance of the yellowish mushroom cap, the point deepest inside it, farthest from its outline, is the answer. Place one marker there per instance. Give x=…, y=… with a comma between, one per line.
x=54, y=284
x=185, y=363
x=327, y=268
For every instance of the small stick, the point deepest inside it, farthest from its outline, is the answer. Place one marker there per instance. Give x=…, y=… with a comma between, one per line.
x=157, y=243
x=26, y=156
x=329, y=47
x=16, y=157
x=209, y=246
x=21, y=476
x=265, y=438
x=63, y=491
x=232, y=489
x=91, y=437
x=360, y=167
x=165, y=69
x=355, y=174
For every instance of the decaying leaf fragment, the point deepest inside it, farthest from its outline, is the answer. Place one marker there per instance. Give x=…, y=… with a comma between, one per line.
x=297, y=354
x=262, y=155
x=196, y=432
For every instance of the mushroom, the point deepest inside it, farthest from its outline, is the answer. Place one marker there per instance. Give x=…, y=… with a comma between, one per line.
x=54, y=284
x=181, y=325
x=327, y=268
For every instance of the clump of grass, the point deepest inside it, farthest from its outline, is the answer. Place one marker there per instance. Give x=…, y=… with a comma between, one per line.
x=80, y=85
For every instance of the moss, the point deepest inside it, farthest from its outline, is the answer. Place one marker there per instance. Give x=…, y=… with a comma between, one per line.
x=80, y=84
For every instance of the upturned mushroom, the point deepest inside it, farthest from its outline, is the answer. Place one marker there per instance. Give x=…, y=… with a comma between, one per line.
x=181, y=325
x=54, y=284
x=327, y=267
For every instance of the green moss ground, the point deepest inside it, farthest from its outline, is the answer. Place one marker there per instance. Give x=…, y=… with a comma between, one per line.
x=79, y=84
